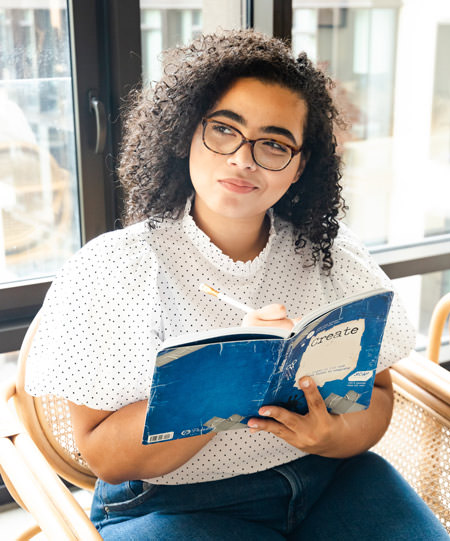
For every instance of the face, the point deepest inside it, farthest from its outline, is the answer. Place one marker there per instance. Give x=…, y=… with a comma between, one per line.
x=233, y=185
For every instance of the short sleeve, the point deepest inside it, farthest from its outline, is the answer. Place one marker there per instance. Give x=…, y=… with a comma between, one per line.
x=100, y=327
x=355, y=271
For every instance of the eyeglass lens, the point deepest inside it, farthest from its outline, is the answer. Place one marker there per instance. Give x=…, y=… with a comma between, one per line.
x=224, y=139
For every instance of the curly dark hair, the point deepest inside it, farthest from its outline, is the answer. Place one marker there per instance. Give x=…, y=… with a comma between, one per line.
x=154, y=161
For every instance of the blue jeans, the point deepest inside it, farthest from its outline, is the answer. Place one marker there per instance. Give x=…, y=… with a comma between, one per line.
x=312, y=498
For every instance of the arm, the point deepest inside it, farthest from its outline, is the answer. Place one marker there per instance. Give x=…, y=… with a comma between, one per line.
x=111, y=444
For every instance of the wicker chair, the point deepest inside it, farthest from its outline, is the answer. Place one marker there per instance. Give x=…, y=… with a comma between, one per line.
x=31, y=429
x=417, y=444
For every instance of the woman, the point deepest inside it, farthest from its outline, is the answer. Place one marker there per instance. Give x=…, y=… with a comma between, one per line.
x=231, y=178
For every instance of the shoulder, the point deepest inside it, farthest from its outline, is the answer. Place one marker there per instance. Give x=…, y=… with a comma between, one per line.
x=354, y=268
x=114, y=251
x=127, y=241
x=349, y=248
x=121, y=260
x=124, y=258
x=347, y=237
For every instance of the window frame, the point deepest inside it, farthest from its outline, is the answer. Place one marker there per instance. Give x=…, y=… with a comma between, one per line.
x=105, y=54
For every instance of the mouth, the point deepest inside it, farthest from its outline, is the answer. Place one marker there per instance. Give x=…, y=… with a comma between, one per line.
x=237, y=185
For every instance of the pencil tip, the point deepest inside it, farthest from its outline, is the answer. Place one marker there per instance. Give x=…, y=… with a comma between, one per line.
x=208, y=289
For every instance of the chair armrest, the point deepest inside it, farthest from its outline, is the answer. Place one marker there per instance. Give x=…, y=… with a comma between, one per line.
x=425, y=381
x=34, y=484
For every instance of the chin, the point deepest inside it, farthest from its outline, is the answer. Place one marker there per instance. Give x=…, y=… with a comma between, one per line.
x=236, y=208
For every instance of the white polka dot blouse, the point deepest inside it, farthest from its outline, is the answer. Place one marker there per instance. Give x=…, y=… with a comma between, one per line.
x=115, y=301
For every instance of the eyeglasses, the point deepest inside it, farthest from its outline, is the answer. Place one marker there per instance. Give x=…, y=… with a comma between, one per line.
x=267, y=153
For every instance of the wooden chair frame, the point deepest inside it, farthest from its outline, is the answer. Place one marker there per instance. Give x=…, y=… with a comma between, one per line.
x=31, y=461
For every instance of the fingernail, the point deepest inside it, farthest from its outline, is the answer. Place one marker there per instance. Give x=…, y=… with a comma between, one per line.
x=305, y=383
x=265, y=412
x=252, y=424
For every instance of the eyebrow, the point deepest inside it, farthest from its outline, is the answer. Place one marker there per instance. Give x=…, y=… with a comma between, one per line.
x=265, y=129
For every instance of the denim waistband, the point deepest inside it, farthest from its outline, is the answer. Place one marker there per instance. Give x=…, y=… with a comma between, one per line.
x=278, y=497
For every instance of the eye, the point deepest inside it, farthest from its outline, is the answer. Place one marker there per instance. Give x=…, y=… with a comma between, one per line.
x=274, y=147
x=222, y=129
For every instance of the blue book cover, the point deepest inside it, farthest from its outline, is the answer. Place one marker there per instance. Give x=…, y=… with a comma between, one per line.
x=218, y=379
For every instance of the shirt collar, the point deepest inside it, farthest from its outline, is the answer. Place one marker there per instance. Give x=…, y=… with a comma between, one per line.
x=215, y=255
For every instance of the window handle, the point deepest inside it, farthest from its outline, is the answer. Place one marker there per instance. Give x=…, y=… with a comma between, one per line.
x=97, y=107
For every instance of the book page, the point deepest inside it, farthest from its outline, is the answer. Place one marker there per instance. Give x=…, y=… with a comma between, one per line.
x=332, y=354
x=227, y=334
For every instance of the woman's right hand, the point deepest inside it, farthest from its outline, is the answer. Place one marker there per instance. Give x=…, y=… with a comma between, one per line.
x=272, y=315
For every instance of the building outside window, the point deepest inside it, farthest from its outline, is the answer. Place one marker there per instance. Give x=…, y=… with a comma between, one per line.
x=162, y=27
x=390, y=63
x=39, y=226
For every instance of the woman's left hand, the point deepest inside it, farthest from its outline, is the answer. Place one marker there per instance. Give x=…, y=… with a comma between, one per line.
x=320, y=433
x=316, y=432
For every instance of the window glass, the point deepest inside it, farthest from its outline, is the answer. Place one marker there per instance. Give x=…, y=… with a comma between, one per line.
x=164, y=25
x=393, y=87
x=8, y=365
x=420, y=293
x=39, y=223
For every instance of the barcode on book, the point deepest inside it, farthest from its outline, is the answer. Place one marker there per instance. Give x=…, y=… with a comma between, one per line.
x=160, y=437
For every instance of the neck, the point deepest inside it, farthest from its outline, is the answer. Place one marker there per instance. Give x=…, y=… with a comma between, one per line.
x=227, y=233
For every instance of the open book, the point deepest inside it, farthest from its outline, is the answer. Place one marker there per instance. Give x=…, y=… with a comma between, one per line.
x=218, y=379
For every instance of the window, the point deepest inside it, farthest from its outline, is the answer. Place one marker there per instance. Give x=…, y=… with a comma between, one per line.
x=163, y=28
x=56, y=192
x=168, y=23
x=39, y=226
x=389, y=62
x=61, y=86
x=65, y=69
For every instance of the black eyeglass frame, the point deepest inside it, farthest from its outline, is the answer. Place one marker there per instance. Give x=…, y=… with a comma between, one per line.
x=294, y=150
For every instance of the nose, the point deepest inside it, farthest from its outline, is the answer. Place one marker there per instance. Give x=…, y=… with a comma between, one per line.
x=243, y=158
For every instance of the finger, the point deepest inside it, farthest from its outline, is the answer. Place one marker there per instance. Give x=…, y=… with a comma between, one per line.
x=269, y=425
x=289, y=419
x=316, y=404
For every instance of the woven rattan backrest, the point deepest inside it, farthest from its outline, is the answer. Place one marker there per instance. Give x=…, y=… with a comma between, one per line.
x=47, y=420
x=417, y=444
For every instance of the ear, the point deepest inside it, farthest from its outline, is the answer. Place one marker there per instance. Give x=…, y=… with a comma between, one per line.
x=304, y=156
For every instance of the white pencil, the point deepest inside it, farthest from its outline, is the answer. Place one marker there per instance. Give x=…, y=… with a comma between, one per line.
x=211, y=291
